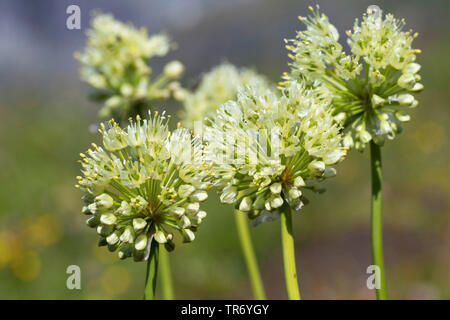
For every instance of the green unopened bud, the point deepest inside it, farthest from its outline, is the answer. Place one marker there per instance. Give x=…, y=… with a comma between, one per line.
x=316, y=168
x=173, y=69
x=294, y=193
x=275, y=188
x=104, y=201
x=402, y=116
x=93, y=221
x=102, y=242
x=127, y=235
x=105, y=231
x=113, y=238
x=276, y=202
x=124, y=209
x=169, y=246
x=185, y=190
x=201, y=214
x=365, y=136
x=141, y=242
x=407, y=81
x=412, y=68
x=125, y=252
x=188, y=235
x=139, y=224
x=199, y=196
x=86, y=210
x=405, y=99
x=228, y=195
x=160, y=237
x=192, y=208
x=299, y=182
x=108, y=218
x=177, y=211
x=348, y=141
x=184, y=222
x=246, y=204
x=417, y=87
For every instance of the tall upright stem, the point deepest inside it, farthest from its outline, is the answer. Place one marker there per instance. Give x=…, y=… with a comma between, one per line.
x=377, y=219
x=152, y=271
x=166, y=277
x=249, y=255
x=287, y=241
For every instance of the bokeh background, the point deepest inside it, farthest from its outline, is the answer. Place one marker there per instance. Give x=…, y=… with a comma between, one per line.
x=44, y=124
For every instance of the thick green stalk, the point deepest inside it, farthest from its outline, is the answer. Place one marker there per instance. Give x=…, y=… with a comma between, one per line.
x=152, y=272
x=287, y=241
x=166, y=277
x=377, y=222
x=249, y=255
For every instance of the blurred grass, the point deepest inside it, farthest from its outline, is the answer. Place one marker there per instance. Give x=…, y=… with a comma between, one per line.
x=42, y=232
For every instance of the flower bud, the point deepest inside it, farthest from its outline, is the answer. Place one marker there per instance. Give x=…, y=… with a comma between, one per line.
x=139, y=224
x=105, y=231
x=377, y=101
x=177, y=211
x=192, y=208
x=276, y=202
x=246, y=204
x=86, y=210
x=402, y=116
x=184, y=222
x=173, y=69
x=365, y=136
x=405, y=99
x=113, y=238
x=125, y=252
x=228, y=195
x=124, y=209
x=199, y=196
x=108, y=218
x=275, y=188
x=127, y=235
x=160, y=237
x=299, y=182
x=407, y=81
x=189, y=236
x=104, y=201
x=93, y=221
x=417, y=87
x=294, y=193
x=141, y=242
x=185, y=190
x=340, y=117
x=201, y=214
x=316, y=168
x=412, y=68
x=348, y=141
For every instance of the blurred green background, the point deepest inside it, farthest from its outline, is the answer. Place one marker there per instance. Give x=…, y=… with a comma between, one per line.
x=44, y=124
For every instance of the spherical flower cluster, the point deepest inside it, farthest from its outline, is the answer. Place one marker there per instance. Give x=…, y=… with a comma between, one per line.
x=142, y=184
x=115, y=63
x=265, y=149
x=373, y=87
x=216, y=87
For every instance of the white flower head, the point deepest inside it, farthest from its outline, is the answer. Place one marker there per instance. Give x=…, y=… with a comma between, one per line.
x=144, y=182
x=264, y=148
x=373, y=86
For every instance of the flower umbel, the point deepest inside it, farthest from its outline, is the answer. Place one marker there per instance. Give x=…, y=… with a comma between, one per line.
x=265, y=150
x=142, y=184
x=115, y=64
x=373, y=87
x=217, y=87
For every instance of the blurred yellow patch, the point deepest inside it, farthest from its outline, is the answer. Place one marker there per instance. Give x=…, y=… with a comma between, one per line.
x=44, y=230
x=115, y=280
x=429, y=137
x=26, y=266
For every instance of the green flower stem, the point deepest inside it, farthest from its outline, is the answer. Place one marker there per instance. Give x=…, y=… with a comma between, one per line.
x=249, y=255
x=152, y=272
x=377, y=222
x=166, y=277
x=287, y=241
